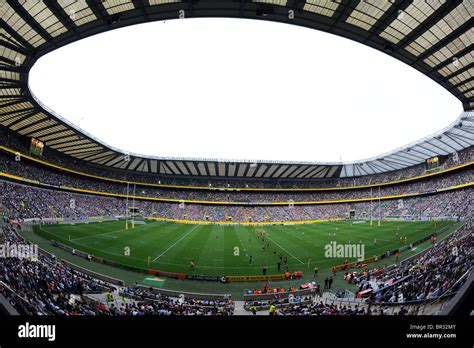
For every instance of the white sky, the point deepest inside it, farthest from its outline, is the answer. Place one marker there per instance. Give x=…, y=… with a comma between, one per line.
x=240, y=89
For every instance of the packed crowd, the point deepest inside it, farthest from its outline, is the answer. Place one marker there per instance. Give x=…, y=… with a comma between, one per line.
x=45, y=286
x=440, y=271
x=182, y=305
x=20, y=144
x=320, y=308
x=27, y=202
x=430, y=275
x=49, y=176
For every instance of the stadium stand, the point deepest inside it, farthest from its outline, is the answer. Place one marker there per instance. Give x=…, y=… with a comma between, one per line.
x=24, y=202
x=76, y=177
x=426, y=279
x=52, y=177
x=47, y=286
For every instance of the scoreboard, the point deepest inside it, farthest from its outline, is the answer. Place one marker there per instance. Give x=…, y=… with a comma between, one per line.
x=36, y=147
x=435, y=162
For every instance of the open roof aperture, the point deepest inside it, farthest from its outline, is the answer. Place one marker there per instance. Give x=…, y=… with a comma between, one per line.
x=240, y=89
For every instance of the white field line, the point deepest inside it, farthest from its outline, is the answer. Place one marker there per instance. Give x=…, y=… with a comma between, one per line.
x=179, y=264
x=97, y=235
x=363, y=237
x=172, y=245
x=286, y=251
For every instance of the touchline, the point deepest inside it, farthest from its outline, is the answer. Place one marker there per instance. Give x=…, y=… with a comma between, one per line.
x=37, y=331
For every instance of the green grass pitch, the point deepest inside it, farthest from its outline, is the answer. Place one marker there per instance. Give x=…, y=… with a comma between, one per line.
x=226, y=250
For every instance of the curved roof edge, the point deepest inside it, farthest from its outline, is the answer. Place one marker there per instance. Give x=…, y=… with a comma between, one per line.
x=433, y=39
x=453, y=138
x=456, y=137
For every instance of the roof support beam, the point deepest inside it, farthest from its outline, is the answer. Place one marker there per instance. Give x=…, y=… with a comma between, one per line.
x=290, y=173
x=283, y=172
x=115, y=157
x=138, y=165
x=206, y=167
x=408, y=156
x=66, y=141
x=259, y=166
x=466, y=139
x=446, y=144
x=131, y=159
x=226, y=165
x=401, y=164
x=385, y=163
x=303, y=173
x=430, y=152
x=404, y=159
x=29, y=47
x=296, y=171
x=454, y=139
x=387, y=18
x=361, y=168
x=311, y=172
x=424, y=155
x=15, y=111
x=142, y=4
x=457, y=85
x=372, y=167
x=99, y=10
x=105, y=155
x=16, y=84
x=436, y=146
x=343, y=12
x=66, y=146
x=15, y=48
x=20, y=10
x=180, y=171
x=448, y=6
x=448, y=61
x=318, y=171
x=21, y=119
x=18, y=101
x=49, y=133
x=447, y=39
x=378, y=168
x=64, y=18
x=186, y=167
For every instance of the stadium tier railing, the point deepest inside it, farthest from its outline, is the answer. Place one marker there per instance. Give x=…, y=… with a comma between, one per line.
x=177, y=293
x=421, y=253
x=279, y=295
x=17, y=179
x=456, y=302
x=180, y=295
x=423, y=304
x=77, y=268
x=94, y=274
x=211, y=188
x=5, y=306
x=262, y=305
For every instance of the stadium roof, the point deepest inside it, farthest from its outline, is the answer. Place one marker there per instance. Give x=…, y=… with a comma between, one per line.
x=434, y=37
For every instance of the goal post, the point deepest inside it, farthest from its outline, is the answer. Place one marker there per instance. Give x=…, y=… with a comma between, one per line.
x=135, y=217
